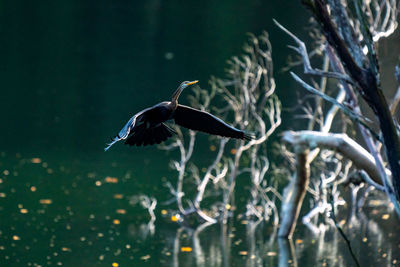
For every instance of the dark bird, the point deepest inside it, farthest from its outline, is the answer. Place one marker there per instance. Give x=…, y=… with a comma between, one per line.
x=148, y=126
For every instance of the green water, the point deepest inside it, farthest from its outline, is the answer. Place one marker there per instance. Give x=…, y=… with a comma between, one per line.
x=71, y=74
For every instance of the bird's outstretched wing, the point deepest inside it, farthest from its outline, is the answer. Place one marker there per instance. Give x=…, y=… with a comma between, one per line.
x=205, y=122
x=140, y=131
x=127, y=129
x=149, y=136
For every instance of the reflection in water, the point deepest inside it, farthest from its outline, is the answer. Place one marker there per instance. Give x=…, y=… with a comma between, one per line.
x=287, y=255
x=97, y=221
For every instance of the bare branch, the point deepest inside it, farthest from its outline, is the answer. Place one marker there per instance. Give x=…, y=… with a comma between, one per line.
x=302, y=50
x=340, y=143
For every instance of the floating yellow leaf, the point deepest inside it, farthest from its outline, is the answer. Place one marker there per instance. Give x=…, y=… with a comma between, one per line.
x=114, y=264
x=163, y=212
x=271, y=253
x=36, y=160
x=233, y=151
x=65, y=249
x=212, y=148
x=186, y=249
x=145, y=258
x=174, y=218
x=299, y=241
x=118, y=196
x=2, y=194
x=46, y=201
x=121, y=211
x=16, y=238
x=228, y=207
x=33, y=188
x=111, y=180
x=385, y=216
x=116, y=221
x=23, y=211
x=364, y=239
x=243, y=253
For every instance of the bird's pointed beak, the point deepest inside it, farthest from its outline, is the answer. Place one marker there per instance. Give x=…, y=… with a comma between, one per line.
x=190, y=83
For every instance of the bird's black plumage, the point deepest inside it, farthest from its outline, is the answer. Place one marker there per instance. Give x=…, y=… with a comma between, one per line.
x=202, y=121
x=148, y=126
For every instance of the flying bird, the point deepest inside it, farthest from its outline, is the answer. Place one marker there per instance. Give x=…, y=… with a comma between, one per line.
x=148, y=126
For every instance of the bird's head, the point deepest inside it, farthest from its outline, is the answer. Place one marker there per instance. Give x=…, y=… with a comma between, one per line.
x=186, y=84
x=180, y=89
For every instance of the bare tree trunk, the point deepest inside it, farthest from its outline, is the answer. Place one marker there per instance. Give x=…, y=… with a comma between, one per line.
x=294, y=194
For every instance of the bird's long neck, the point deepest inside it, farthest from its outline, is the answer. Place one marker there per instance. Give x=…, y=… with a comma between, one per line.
x=175, y=96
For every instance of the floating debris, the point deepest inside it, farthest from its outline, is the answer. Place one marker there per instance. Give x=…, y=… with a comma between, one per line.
x=2, y=195
x=121, y=211
x=243, y=253
x=46, y=201
x=118, y=196
x=65, y=249
x=176, y=218
x=145, y=257
x=385, y=216
x=36, y=160
x=271, y=253
x=186, y=249
x=23, y=211
x=111, y=180
x=6, y=172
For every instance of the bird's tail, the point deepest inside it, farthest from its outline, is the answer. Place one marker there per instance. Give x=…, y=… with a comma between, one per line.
x=249, y=136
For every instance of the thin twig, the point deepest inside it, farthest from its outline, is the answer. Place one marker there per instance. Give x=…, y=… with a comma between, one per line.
x=341, y=231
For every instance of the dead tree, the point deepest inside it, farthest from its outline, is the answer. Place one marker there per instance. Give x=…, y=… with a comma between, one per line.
x=351, y=31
